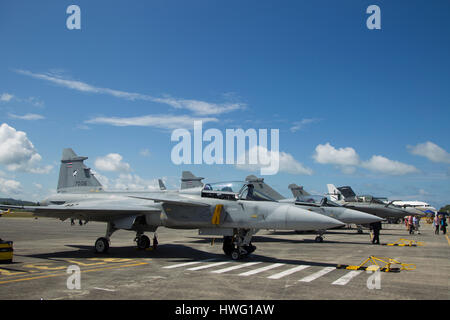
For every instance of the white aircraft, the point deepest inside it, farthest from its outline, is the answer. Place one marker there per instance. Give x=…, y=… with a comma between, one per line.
x=414, y=205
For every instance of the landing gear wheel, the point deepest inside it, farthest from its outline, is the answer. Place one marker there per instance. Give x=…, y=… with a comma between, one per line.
x=228, y=246
x=143, y=242
x=318, y=239
x=101, y=245
x=235, y=255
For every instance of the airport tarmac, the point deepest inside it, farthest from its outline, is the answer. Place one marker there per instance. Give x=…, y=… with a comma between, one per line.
x=285, y=266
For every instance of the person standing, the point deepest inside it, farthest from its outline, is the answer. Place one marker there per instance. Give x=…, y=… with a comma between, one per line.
x=436, y=223
x=443, y=224
x=376, y=227
x=416, y=222
x=410, y=225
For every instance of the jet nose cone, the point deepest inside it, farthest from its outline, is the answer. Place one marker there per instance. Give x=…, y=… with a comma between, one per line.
x=304, y=220
x=358, y=217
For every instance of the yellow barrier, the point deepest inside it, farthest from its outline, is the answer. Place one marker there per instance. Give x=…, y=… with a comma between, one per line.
x=405, y=243
x=382, y=264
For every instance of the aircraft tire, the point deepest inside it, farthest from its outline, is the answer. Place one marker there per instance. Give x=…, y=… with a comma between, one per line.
x=318, y=239
x=143, y=242
x=101, y=245
x=228, y=246
x=235, y=255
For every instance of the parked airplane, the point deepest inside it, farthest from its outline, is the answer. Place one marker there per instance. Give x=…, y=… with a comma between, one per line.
x=318, y=204
x=232, y=209
x=347, y=197
x=3, y=212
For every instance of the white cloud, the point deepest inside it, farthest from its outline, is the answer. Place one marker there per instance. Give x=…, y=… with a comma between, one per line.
x=158, y=121
x=299, y=125
x=17, y=153
x=6, y=97
x=197, y=106
x=287, y=163
x=9, y=187
x=28, y=116
x=384, y=165
x=145, y=153
x=134, y=182
x=347, y=159
x=431, y=151
x=112, y=162
x=327, y=154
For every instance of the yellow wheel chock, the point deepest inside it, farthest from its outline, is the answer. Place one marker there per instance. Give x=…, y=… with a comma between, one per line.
x=405, y=243
x=379, y=264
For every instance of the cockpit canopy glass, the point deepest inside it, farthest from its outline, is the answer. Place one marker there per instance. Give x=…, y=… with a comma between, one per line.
x=317, y=200
x=234, y=190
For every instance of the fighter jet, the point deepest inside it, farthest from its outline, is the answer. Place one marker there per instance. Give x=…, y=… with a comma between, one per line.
x=347, y=197
x=232, y=209
x=315, y=203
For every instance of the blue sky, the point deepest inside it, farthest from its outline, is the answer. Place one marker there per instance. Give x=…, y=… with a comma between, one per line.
x=311, y=69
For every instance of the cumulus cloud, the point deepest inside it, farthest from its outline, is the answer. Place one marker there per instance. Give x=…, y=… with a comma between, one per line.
x=287, y=162
x=9, y=187
x=327, y=154
x=6, y=97
x=431, y=151
x=347, y=159
x=197, y=106
x=112, y=162
x=384, y=165
x=28, y=116
x=17, y=153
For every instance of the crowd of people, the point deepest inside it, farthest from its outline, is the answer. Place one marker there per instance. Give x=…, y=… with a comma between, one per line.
x=412, y=224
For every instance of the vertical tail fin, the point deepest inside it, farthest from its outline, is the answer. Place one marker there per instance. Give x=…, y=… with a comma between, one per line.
x=74, y=175
x=334, y=193
x=162, y=186
x=188, y=180
x=260, y=185
x=297, y=191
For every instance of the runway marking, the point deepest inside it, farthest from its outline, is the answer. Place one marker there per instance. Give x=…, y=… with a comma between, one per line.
x=104, y=289
x=208, y=266
x=252, y=272
x=318, y=274
x=239, y=266
x=65, y=274
x=186, y=264
x=342, y=281
x=287, y=272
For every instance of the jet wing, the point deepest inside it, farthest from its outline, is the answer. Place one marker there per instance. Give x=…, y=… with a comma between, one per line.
x=174, y=201
x=89, y=210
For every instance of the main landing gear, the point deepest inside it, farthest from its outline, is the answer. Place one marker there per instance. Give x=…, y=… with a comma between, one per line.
x=142, y=241
x=239, y=245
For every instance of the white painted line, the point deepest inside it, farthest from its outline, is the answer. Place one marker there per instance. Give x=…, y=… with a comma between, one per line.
x=252, y=272
x=287, y=272
x=208, y=265
x=186, y=264
x=104, y=289
x=318, y=274
x=342, y=281
x=243, y=265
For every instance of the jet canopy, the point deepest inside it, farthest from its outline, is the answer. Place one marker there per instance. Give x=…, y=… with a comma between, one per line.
x=234, y=190
x=316, y=200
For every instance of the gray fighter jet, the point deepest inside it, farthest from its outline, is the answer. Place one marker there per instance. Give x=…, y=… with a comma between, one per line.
x=315, y=203
x=233, y=209
x=347, y=197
